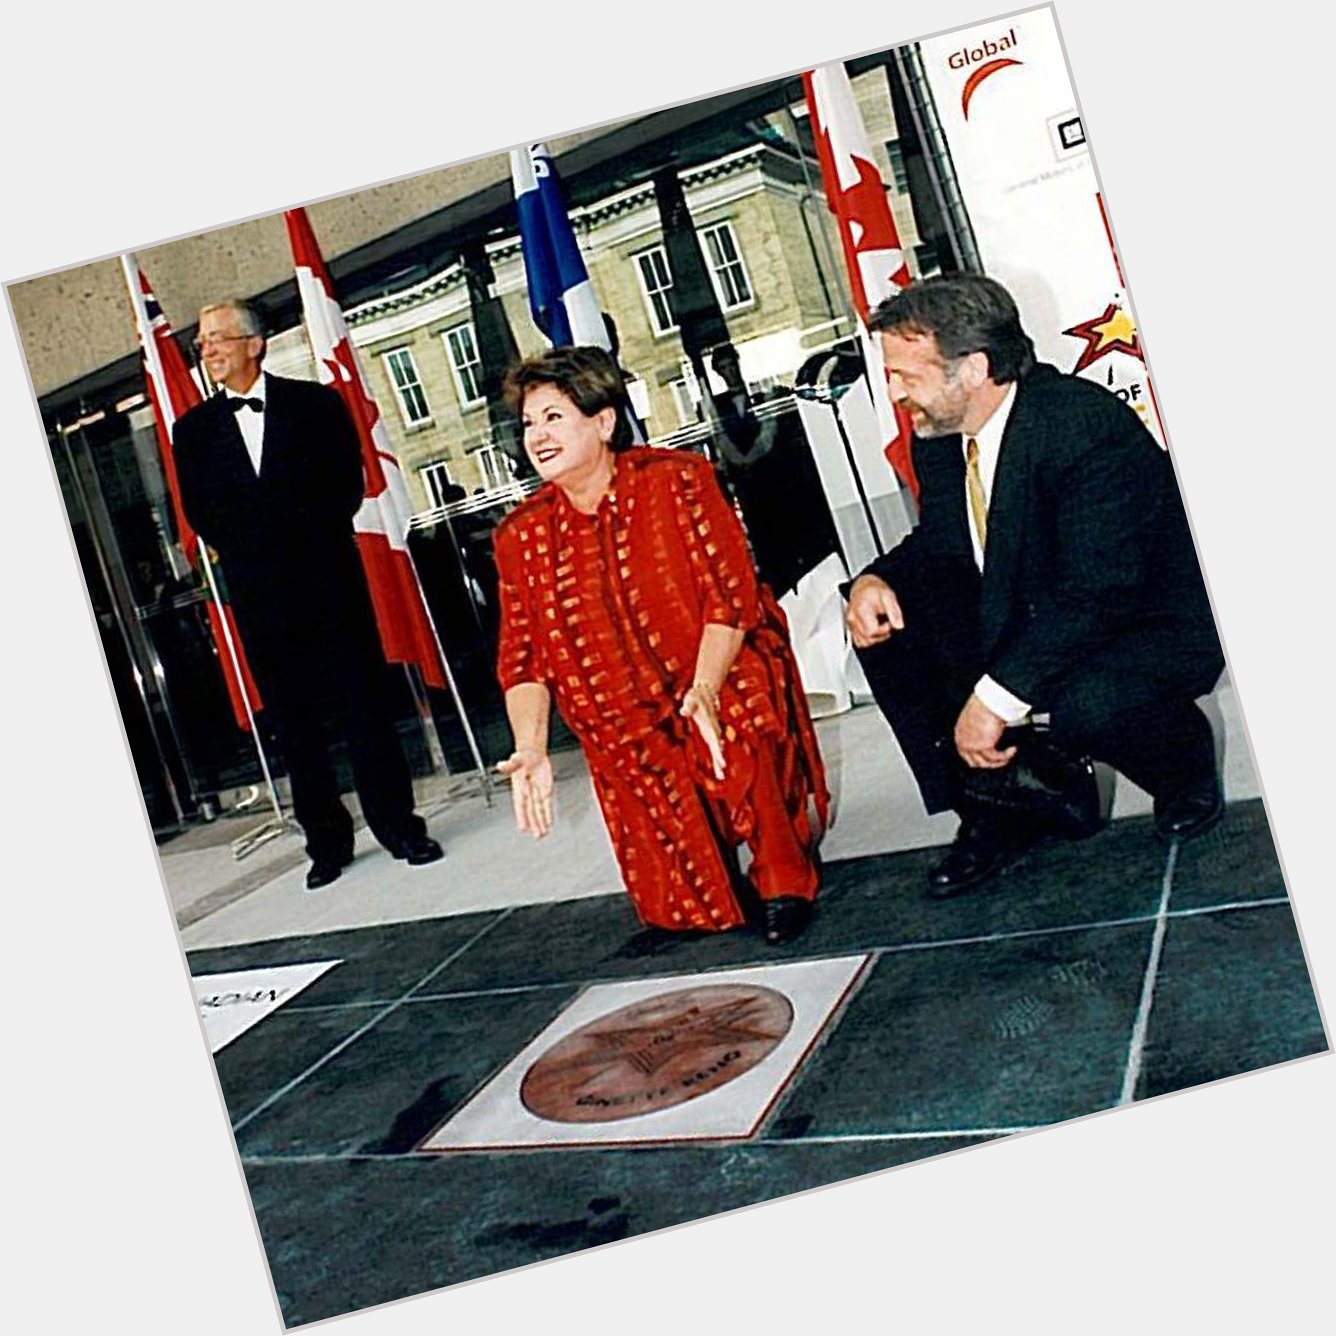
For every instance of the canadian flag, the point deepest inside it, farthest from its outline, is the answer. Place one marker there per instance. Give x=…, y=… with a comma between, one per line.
x=856, y=195
x=381, y=524
x=172, y=392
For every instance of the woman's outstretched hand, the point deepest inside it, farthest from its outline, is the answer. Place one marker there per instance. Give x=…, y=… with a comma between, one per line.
x=701, y=707
x=531, y=785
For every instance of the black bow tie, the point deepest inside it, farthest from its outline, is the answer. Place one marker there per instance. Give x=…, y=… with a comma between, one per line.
x=236, y=405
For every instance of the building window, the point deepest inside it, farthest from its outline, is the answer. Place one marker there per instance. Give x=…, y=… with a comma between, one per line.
x=656, y=282
x=440, y=485
x=685, y=403
x=928, y=261
x=494, y=468
x=462, y=347
x=730, y=274
x=899, y=177
x=403, y=374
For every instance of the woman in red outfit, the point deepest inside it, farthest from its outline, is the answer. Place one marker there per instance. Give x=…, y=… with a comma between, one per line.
x=627, y=591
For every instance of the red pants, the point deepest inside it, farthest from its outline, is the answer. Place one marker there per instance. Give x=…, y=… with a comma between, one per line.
x=674, y=843
x=782, y=845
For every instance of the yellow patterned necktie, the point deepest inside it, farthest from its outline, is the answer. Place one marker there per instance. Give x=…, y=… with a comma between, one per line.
x=974, y=489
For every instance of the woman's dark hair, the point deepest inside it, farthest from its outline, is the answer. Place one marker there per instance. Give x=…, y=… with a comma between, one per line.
x=967, y=313
x=588, y=377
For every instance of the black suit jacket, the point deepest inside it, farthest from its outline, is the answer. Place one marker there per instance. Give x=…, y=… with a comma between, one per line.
x=1088, y=545
x=285, y=537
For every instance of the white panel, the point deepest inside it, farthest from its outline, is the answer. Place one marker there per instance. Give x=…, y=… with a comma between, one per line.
x=496, y=1118
x=1009, y=114
x=230, y=1004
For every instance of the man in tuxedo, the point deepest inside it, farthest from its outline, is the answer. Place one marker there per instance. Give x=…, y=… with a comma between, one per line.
x=1052, y=572
x=270, y=473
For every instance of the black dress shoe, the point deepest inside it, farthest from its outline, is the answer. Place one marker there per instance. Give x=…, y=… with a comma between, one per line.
x=1192, y=812
x=784, y=917
x=1044, y=786
x=325, y=870
x=981, y=849
x=417, y=850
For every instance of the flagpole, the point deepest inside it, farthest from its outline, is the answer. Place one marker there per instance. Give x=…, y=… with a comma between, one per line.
x=857, y=475
x=483, y=774
x=241, y=681
x=431, y=736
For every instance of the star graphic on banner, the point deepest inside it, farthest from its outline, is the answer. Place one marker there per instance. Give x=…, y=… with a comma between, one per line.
x=1112, y=332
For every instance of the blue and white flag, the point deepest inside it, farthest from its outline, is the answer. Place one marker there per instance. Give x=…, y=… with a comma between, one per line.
x=560, y=295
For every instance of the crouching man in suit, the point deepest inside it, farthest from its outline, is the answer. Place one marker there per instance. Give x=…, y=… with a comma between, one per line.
x=1052, y=573
x=270, y=473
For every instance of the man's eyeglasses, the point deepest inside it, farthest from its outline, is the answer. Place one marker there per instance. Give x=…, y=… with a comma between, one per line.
x=213, y=340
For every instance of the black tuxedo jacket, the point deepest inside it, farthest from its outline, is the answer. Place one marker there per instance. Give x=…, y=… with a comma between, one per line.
x=285, y=537
x=1088, y=546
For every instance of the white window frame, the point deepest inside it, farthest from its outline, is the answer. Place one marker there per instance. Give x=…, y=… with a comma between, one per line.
x=493, y=467
x=408, y=391
x=684, y=402
x=434, y=478
x=720, y=232
x=649, y=293
x=460, y=369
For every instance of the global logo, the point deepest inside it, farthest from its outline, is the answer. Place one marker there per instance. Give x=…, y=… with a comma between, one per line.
x=983, y=61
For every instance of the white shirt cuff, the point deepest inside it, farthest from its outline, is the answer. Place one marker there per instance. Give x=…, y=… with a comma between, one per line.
x=1011, y=709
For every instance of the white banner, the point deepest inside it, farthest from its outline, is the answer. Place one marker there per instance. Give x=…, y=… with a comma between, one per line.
x=229, y=1004
x=1009, y=114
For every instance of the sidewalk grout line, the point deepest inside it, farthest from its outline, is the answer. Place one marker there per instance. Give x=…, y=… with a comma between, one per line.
x=1130, y=920
x=318, y=1008
x=464, y=994
x=1264, y=902
x=394, y=1006
x=938, y=1134
x=686, y=1143
x=1136, y=1049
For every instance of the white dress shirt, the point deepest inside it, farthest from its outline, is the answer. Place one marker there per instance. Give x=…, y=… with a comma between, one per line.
x=993, y=694
x=251, y=422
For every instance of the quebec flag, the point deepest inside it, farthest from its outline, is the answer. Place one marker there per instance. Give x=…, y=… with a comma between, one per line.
x=560, y=295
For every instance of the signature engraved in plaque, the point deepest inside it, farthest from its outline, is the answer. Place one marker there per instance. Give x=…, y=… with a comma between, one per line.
x=655, y=1054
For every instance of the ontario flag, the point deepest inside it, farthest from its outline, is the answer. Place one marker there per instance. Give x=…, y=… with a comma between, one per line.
x=172, y=392
x=381, y=524
x=856, y=195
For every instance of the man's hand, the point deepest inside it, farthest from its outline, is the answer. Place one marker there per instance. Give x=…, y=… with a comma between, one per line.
x=873, y=612
x=977, y=732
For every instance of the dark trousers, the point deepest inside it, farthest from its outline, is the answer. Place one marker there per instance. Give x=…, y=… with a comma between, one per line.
x=1131, y=705
x=341, y=688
